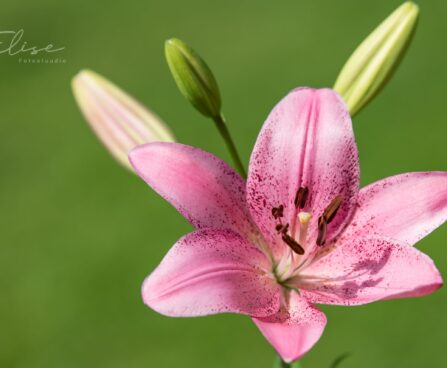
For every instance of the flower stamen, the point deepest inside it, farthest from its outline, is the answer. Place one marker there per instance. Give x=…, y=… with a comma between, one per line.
x=292, y=243
x=301, y=197
x=322, y=229
x=278, y=212
x=327, y=217
x=331, y=210
x=280, y=228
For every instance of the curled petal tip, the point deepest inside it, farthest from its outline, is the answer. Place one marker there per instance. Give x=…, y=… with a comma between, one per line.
x=118, y=120
x=377, y=57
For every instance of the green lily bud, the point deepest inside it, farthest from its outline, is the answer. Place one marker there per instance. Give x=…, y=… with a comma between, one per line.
x=193, y=77
x=374, y=61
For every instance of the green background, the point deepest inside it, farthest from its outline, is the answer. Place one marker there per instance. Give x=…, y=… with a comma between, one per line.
x=79, y=233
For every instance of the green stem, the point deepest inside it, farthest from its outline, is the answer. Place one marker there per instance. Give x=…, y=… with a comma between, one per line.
x=223, y=130
x=279, y=363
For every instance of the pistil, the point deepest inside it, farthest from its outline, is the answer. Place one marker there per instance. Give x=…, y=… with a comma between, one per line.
x=304, y=218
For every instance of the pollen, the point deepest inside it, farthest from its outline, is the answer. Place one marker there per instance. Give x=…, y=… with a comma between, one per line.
x=293, y=244
x=301, y=197
x=331, y=210
x=278, y=212
x=280, y=228
x=322, y=230
x=326, y=218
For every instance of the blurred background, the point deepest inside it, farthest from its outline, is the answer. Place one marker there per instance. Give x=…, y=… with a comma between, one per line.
x=79, y=233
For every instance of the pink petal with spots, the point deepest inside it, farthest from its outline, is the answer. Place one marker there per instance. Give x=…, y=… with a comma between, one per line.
x=295, y=331
x=202, y=187
x=363, y=270
x=212, y=271
x=405, y=207
x=307, y=141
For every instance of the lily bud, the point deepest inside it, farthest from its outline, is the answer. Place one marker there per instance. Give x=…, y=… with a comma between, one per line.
x=193, y=77
x=374, y=61
x=118, y=120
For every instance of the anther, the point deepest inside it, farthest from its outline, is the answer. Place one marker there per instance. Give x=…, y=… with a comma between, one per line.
x=278, y=212
x=331, y=210
x=293, y=244
x=322, y=229
x=301, y=197
x=280, y=228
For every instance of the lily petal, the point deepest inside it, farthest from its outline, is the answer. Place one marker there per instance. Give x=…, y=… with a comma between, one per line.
x=295, y=331
x=307, y=141
x=202, y=187
x=405, y=207
x=360, y=271
x=212, y=271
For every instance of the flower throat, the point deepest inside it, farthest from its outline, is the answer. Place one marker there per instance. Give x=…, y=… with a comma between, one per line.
x=304, y=217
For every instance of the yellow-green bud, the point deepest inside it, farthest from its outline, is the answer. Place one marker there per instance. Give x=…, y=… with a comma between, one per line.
x=374, y=61
x=193, y=77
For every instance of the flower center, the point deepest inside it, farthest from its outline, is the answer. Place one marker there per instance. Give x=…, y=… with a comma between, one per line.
x=300, y=248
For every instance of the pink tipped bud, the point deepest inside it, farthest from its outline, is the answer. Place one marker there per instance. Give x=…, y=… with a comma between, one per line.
x=119, y=121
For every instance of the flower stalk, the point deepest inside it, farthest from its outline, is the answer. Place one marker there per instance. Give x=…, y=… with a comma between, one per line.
x=225, y=133
x=279, y=363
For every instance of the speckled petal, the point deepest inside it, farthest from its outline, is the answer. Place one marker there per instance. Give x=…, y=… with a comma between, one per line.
x=307, y=141
x=295, y=331
x=212, y=271
x=202, y=187
x=360, y=271
x=405, y=207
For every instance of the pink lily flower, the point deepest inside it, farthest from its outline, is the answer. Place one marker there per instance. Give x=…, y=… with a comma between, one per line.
x=298, y=232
